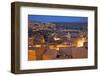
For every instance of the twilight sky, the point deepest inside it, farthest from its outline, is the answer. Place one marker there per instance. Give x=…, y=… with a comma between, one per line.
x=50, y=18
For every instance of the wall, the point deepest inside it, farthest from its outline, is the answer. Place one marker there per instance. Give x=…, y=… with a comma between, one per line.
x=5, y=33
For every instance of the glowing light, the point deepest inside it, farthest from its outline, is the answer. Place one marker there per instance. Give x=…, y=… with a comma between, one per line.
x=57, y=48
x=37, y=45
x=60, y=46
x=29, y=46
x=80, y=43
x=56, y=38
x=53, y=47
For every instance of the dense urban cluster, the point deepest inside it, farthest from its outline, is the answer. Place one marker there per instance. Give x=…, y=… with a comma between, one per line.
x=57, y=40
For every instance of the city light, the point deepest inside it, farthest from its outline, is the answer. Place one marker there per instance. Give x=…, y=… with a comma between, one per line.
x=80, y=42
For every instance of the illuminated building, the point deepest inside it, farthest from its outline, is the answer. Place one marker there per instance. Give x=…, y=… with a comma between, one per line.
x=50, y=43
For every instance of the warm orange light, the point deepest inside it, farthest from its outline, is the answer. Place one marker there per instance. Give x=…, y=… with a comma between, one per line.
x=80, y=42
x=53, y=47
x=37, y=45
x=60, y=46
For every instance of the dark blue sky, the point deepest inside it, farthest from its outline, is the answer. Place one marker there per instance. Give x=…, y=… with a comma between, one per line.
x=48, y=18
